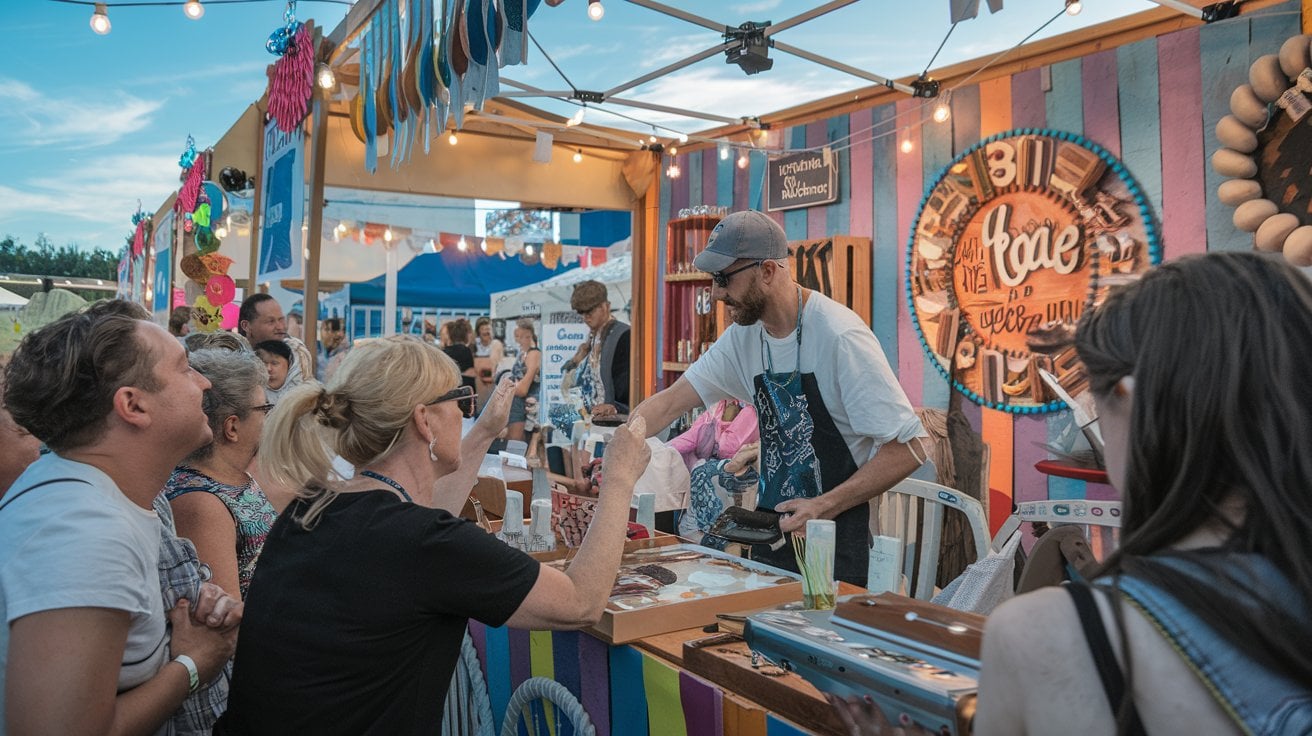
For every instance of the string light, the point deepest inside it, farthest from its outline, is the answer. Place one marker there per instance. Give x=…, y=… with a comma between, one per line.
x=1073, y=7
x=942, y=111
x=452, y=139
x=674, y=150
x=596, y=10
x=220, y=232
x=325, y=77
x=683, y=137
x=528, y=249
x=577, y=117
x=100, y=20
x=652, y=138
x=907, y=145
x=462, y=246
x=387, y=235
x=193, y=9
x=724, y=151
x=743, y=160
x=578, y=156
x=673, y=171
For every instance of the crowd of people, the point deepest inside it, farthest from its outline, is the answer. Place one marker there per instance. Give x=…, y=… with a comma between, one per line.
x=200, y=550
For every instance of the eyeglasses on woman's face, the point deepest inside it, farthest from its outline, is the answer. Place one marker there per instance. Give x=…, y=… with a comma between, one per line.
x=463, y=395
x=721, y=278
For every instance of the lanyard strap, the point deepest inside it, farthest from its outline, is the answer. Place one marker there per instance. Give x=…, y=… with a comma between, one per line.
x=388, y=481
x=769, y=359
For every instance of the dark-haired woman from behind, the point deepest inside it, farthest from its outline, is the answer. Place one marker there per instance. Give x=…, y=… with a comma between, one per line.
x=1200, y=623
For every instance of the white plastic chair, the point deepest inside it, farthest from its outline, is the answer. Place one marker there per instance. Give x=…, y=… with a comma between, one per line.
x=913, y=513
x=1101, y=520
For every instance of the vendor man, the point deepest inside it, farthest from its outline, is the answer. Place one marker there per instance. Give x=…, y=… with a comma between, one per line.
x=604, y=356
x=835, y=425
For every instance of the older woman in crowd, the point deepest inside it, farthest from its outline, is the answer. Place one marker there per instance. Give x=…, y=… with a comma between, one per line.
x=385, y=576
x=216, y=503
x=526, y=376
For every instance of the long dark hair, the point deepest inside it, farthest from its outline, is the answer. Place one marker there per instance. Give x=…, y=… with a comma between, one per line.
x=1220, y=347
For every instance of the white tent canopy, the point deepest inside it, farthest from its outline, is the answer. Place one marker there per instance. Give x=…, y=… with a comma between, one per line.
x=10, y=300
x=553, y=294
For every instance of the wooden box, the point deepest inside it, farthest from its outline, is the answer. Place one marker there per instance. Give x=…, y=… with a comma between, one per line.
x=618, y=626
x=561, y=552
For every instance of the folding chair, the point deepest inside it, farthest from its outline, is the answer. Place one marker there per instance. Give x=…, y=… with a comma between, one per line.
x=912, y=512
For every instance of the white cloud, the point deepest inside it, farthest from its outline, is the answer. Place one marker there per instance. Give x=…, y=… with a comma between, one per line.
x=35, y=119
x=724, y=91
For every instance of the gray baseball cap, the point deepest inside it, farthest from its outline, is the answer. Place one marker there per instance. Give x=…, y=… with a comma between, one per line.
x=747, y=234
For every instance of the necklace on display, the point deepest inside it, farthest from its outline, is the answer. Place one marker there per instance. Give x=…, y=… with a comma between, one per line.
x=388, y=481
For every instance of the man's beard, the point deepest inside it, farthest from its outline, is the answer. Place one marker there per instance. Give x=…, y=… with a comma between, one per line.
x=748, y=310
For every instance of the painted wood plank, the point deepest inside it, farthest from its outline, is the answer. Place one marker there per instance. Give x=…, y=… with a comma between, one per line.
x=710, y=177
x=520, y=657
x=1064, y=102
x=1027, y=100
x=937, y=141
x=1064, y=106
x=726, y=179
x=594, y=682
x=796, y=221
x=886, y=289
x=1224, y=55
x=816, y=216
x=693, y=174
x=541, y=659
x=994, y=106
x=1101, y=104
x=1180, y=81
x=701, y=706
x=838, y=219
x=995, y=116
x=1272, y=28
x=628, y=701
x=909, y=182
x=679, y=191
x=966, y=114
x=565, y=660
x=741, y=183
x=776, y=726
x=497, y=671
x=664, y=703
x=1141, y=138
x=1030, y=484
x=755, y=180
x=860, y=207
x=664, y=213
x=742, y=718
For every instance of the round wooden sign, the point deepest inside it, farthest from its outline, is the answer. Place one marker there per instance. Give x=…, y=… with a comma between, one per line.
x=1014, y=240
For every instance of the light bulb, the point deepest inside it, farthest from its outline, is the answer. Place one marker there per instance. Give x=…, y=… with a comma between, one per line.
x=683, y=137
x=596, y=10
x=462, y=245
x=743, y=161
x=673, y=171
x=387, y=235
x=528, y=249
x=652, y=138
x=907, y=145
x=100, y=20
x=674, y=150
x=325, y=77
x=578, y=156
x=724, y=152
x=220, y=232
x=1073, y=7
x=452, y=138
x=942, y=112
x=576, y=118
x=193, y=9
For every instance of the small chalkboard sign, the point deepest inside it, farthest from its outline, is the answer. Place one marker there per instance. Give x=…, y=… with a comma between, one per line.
x=801, y=180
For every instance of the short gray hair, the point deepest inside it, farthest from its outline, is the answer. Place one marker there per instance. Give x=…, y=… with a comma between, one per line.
x=217, y=340
x=233, y=375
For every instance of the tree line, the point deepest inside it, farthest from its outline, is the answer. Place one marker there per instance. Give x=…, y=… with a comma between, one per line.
x=45, y=259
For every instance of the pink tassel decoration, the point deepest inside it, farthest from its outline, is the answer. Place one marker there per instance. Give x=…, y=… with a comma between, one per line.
x=291, y=81
x=187, y=195
x=139, y=239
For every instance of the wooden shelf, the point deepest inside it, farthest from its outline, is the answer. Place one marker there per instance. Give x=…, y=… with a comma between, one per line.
x=669, y=365
x=672, y=277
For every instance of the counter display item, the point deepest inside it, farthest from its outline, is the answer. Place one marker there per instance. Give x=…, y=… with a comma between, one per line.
x=910, y=656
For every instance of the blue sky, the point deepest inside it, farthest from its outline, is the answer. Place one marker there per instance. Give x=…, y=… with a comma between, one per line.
x=91, y=124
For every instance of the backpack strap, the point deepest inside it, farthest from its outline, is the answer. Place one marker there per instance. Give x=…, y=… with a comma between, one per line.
x=1109, y=671
x=11, y=497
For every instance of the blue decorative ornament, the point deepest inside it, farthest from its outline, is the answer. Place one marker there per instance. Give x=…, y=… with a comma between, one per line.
x=281, y=39
x=189, y=155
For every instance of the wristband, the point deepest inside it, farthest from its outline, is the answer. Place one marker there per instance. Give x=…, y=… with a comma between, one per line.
x=193, y=675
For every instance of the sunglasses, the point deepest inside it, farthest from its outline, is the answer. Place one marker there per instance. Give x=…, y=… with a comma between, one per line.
x=468, y=400
x=721, y=278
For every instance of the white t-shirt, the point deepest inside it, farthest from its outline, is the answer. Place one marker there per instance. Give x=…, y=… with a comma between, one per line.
x=857, y=385
x=74, y=544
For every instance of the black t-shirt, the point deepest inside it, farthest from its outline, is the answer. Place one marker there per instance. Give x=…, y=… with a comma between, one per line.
x=355, y=626
x=462, y=355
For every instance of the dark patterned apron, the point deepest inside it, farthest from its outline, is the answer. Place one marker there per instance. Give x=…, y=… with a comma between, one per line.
x=802, y=456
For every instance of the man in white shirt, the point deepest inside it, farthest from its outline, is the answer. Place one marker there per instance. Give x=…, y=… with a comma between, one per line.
x=835, y=425
x=85, y=647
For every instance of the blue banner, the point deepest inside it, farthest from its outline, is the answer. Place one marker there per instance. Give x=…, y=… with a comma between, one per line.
x=161, y=245
x=283, y=205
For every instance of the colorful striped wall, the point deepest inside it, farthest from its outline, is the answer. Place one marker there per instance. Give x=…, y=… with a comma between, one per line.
x=1153, y=103
x=624, y=690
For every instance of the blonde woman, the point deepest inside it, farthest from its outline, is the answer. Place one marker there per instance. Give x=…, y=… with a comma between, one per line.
x=357, y=610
